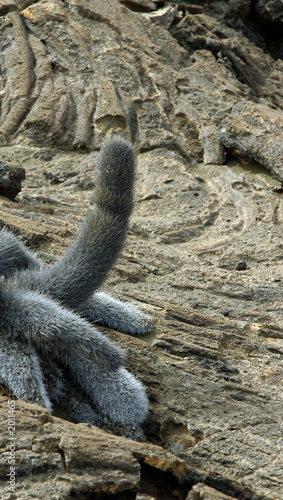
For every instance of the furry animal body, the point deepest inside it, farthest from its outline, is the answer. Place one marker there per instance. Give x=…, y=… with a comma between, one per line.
x=49, y=350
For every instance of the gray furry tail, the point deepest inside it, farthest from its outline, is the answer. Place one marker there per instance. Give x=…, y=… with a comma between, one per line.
x=116, y=394
x=14, y=255
x=87, y=262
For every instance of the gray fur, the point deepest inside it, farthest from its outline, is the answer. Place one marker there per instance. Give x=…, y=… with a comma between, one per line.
x=100, y=308
x=77, y=407
x=106, y=310
x=116, y=394
x=42, y=310
x=20, y=371
x=85, y=265
x=14, y=255
x=52, y=329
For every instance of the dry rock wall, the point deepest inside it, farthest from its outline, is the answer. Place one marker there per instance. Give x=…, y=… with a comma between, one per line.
x=198, y=90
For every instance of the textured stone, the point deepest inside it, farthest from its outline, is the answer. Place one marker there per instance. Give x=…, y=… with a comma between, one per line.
x=213, y=150
x=11, y=178
x=164, y=16
x=270, y=10
x=249, y=62
x=255, y=131
x=203, y=492
x=70, y=459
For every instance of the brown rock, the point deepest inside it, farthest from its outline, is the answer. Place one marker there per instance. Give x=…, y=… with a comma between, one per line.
x=270, y=10
x=164, y=16
x=214, y=152
x=254, y=131
x=273, y=89
x=68, y=458
x=11, y=178
x=146, y=5
x=203, y=492
x=250, y=63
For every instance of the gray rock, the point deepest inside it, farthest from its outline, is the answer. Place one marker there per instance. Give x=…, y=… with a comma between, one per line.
x=214, y=152
x=270, y=10
x=164, y=16
x=11, y=178
x=206, y=493
x=255, y=131
x=250, y=63
x=241, y=266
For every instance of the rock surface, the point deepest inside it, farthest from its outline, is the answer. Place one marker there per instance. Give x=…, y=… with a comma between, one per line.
x=190, y=93
x=11, y=178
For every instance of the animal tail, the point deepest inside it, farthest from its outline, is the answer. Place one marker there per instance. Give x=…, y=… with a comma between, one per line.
x=87, y=262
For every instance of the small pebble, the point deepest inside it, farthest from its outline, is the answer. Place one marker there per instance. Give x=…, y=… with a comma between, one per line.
x=241, y=266
x=11, y=178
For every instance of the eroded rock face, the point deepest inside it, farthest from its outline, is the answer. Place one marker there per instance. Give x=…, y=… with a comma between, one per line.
x=270, y=10
x=188, y=91
x=57, y=452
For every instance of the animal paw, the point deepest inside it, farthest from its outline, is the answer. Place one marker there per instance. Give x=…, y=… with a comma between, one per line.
x=123, y=399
